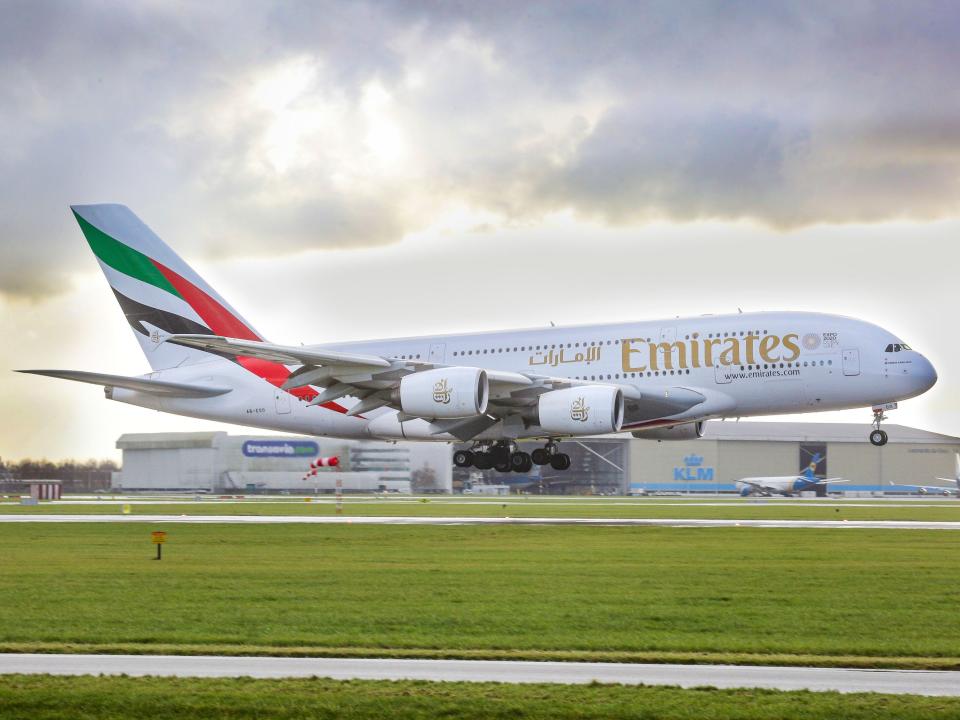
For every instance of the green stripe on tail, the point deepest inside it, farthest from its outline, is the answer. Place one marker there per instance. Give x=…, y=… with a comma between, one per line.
x=124, y=259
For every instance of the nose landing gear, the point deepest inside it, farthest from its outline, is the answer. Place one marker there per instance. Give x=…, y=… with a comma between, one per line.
x=878, y=437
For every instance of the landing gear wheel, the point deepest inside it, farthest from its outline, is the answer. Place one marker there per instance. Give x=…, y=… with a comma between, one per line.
x=482, y=461
x=560, y=461
x=521, y=462
x=463, y=458
x=503, y=466
x=878, y=437
x=540, y=456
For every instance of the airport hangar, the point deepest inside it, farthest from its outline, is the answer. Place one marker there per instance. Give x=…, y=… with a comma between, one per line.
x=221, y=463
x=732, y=450
x=610, y=465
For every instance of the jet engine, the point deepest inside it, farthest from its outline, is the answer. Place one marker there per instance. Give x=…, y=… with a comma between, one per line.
x=685, y=431
x=588, y=410
x=447, y=393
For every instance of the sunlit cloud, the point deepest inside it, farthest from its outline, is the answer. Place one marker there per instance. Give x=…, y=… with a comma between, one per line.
x=536, y=149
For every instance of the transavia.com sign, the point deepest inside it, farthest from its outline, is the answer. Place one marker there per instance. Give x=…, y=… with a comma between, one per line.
x=280, y=448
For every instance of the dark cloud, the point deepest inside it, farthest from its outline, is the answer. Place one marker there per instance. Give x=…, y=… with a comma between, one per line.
x=783, y=113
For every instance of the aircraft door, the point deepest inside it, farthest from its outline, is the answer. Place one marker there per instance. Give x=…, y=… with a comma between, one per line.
x=722, y=373
x=282, y=399
x=438, y=352
x=851, y=361
x=671, y=362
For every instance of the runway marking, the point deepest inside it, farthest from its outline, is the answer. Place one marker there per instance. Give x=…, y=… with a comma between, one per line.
x=845, y=680
x=393, y=520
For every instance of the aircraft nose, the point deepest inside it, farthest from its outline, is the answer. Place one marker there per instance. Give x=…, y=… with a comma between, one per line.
x=924, y=373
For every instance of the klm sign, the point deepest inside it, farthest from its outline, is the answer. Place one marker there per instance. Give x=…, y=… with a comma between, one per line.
x=693, y=470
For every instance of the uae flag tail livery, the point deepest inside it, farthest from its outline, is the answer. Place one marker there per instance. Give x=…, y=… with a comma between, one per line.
x=161, y=295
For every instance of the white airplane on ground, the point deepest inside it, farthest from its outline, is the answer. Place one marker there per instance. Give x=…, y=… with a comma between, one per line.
x=788, y=485
x=657, y=379
x=939, y=489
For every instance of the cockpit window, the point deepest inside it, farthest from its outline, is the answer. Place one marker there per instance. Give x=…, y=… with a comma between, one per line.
x=897, y=347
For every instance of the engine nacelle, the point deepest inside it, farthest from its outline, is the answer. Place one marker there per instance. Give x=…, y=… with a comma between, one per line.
x=685, y=431
x=447, y=393
x=590, y=410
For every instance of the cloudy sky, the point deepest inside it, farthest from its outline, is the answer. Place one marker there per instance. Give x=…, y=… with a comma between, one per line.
x=350, y=170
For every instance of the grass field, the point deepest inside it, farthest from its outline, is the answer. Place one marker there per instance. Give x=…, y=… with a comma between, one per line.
x=739, y=509
x=61, y=698
x=862, y=597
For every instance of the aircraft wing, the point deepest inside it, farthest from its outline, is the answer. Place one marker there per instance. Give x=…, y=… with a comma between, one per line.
x=139, y=384
x=288, y=355
x=928, y=488
x=371, y=378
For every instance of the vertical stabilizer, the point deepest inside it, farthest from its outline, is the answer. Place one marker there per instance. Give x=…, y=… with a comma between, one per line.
x=158, y=292
x=811, y=472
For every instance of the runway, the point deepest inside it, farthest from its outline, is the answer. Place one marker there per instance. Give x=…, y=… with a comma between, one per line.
x=393, y=520
x=916, y=682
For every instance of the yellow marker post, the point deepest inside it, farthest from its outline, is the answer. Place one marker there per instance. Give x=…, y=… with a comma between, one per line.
x=126, y=509
x=159, y=537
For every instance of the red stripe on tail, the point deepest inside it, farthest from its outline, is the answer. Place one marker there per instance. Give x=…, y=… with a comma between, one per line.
x=225, y=323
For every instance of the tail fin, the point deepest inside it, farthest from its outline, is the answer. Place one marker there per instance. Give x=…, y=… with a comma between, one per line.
x=158, y=292
x=811, y=472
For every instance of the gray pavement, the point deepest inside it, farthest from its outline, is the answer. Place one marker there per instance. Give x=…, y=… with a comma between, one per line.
x=917, y=682
x=392, y=520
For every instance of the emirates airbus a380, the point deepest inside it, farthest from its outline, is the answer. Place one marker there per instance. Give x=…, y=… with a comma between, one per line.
x=657, y=379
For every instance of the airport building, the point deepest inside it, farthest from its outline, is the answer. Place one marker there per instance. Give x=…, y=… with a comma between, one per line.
x=221, y=463
x=730, y=450
x=611, y=465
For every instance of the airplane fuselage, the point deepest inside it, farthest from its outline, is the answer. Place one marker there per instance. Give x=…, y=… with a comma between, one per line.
x=745, y=364
x=782, y=485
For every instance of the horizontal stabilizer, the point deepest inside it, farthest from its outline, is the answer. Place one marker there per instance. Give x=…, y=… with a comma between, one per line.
x=285, y=354
x=138, y=384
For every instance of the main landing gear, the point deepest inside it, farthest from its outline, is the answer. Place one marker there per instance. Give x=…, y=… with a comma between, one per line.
x=504, y=456
x=878, y=437
x=550, y=455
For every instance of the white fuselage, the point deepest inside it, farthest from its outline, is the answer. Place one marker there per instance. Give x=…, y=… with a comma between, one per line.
x=780, y=485
x=746, y=364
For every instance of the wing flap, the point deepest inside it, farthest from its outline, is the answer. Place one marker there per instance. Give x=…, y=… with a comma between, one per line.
x=138, y=384
x=286, y=354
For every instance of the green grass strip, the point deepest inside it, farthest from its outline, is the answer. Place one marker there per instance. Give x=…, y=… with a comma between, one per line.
x=816, y=597
x=107, y=698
